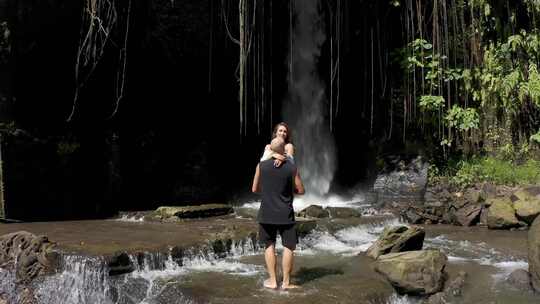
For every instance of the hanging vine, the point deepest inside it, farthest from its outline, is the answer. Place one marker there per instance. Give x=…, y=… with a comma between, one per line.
x=99, y=19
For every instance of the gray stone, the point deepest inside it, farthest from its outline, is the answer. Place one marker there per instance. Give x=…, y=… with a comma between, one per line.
x=397, y=239
x=413, y=272
x=304, y=226
x=314, y=211
x=469, y=214
x=534, y=253
x=206, y=210
x=402, y=180
x=452, y=293
x=120, y=263
x=342, y=212
x=520, y=279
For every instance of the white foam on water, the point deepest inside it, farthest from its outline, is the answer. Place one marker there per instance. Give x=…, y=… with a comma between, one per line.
x=331, y=200
x=130, y=219
x=478, y=252
x=225, y=266
x=397, y=299
x=348, y=241
x=252, y=205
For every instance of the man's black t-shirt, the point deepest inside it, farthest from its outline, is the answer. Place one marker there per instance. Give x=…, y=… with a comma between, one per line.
x=277, y=193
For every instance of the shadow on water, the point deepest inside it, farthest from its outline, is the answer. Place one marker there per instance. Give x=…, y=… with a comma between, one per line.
x=305, y=275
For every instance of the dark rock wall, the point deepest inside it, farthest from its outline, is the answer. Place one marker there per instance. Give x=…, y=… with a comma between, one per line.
x=175, y=138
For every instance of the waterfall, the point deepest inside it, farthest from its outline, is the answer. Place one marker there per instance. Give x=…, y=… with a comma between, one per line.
x=304, y=108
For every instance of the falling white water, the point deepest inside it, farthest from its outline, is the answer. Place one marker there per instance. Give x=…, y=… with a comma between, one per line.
x=304, y=108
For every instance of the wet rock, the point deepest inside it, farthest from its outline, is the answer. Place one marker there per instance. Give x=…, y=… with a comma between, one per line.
x=133, y=291
x=452, y=293
x=314, y=211
x=418, y=215
x=413, y=272
x=402, y=180
x=173, y=293
x=520, y=279
x=483, y=217
x=28, y=254
x=342, y=212
x=304, y=226
x=397, y=239
x=534, y=253
x=501, y=214
x=411, y=216
x=488, y=190
x=469, y=214
x=120, y=264
x=207, y=210
x=474, y=196
x=527, y=204
x=27, y=297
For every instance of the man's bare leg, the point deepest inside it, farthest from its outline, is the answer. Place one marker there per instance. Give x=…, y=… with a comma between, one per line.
x=287, y=264
x=270, y=258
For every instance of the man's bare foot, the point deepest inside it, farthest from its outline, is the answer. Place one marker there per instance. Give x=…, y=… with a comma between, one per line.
x=269, y=284
x=289, y=286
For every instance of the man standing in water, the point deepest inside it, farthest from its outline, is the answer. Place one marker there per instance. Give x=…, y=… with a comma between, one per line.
x=277, y=186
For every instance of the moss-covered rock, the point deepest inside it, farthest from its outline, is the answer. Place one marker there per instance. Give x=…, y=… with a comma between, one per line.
x=527, y=204
x=413, y=272
x=501, y=214
x=207, y=210
x=314, y=211
x=342, y=212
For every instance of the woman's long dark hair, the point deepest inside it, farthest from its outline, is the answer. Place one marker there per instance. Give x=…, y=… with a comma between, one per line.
x=289, y=135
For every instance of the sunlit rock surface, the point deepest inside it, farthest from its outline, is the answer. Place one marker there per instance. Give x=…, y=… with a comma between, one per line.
x=414, y=272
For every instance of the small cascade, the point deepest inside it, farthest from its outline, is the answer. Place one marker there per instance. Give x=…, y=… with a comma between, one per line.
x=155, y=278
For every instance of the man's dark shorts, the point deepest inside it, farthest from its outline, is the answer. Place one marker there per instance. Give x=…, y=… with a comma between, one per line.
x=268, y=233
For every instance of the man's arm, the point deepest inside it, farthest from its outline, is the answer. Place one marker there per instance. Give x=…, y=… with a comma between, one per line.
x=256, y=186
x=298, y=185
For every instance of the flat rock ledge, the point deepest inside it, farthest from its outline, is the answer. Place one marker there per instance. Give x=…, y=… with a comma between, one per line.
x=201, y=211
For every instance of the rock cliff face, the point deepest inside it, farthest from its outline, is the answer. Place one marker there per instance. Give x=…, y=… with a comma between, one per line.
x=534, y=254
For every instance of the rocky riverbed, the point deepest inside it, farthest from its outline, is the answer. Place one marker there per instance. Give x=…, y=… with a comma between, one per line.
x=218, y=260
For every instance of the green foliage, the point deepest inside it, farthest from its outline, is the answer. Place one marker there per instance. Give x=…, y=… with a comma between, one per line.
x=66, y=148
x=536, y=138
x=496, y=170
x=462, y=119
x=431, y=103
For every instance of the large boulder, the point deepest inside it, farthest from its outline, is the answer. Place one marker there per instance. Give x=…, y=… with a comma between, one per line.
x=527, y=204
x=206, y=210
x=413, y=272
x=304, y=226
x=469, y=215
x=402, y=180
x=452, y=293
x=534, y=254
x=397, y=239
x=520, y=279
x=314, y=211
x=501, y=214
x=28, y=255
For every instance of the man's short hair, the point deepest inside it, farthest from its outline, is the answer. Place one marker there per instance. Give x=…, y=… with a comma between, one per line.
x=277, y=145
